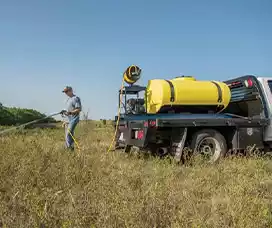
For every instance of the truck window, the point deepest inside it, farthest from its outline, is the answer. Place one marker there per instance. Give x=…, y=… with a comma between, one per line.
x=269, y=82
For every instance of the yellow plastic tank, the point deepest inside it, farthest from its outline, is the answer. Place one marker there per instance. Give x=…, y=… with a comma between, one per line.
x=186, y=91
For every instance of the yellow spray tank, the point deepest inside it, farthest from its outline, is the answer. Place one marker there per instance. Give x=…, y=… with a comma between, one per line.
x=132, y=74
x=186, y=93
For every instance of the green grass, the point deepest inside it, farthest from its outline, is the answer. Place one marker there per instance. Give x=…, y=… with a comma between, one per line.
x=42, y=185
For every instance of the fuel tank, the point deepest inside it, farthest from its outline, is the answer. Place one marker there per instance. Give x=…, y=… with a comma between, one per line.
x=186, y=94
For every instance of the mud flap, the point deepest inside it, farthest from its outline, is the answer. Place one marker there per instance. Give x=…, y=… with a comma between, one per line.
x=178, y=143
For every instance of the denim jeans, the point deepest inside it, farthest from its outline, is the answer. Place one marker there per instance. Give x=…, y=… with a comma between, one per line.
x=73, y=121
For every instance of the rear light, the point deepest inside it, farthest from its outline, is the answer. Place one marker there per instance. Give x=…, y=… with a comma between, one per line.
x=248, y=83
x=146, y=124
x=140, y=134
x=152, y=123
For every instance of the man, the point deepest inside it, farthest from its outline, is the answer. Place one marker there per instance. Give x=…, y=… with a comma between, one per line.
x=72, y=112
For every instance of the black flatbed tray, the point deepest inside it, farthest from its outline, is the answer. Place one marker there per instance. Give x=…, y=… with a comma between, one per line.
x=212, y=122
x=195, y=120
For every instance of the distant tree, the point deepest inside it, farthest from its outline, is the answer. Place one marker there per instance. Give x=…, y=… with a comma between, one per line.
x=6, y=117
x=13, y=116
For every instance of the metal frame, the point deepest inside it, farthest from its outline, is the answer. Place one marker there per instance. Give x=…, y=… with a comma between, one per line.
x=256, y=85
x=130, y=90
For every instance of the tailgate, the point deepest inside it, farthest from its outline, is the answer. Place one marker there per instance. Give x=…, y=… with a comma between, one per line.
x=136, y=133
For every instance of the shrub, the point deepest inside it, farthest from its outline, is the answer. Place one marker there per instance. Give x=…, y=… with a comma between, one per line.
x=13, y=116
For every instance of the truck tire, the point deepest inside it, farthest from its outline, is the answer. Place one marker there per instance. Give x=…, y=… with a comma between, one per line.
x=210, y=143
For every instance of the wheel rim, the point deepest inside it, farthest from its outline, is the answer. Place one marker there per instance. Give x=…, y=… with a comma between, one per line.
x=209, y=148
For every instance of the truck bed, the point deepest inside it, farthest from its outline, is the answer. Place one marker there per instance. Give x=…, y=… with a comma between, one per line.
x=195, y=120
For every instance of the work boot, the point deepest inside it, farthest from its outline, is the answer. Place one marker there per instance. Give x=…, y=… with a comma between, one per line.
x=70, y=148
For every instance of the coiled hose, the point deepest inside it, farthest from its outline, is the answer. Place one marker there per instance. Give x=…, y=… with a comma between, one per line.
x=130, y=76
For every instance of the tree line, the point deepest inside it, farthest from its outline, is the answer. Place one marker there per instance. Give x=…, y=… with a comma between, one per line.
x=16, y=116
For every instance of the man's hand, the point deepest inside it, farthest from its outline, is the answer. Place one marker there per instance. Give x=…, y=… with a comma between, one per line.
x=64, y=112
x=75, y=111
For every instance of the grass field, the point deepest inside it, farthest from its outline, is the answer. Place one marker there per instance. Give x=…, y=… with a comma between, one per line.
x=42, y=185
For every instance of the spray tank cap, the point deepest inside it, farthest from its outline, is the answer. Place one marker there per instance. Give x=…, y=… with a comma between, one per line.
x=183, y=77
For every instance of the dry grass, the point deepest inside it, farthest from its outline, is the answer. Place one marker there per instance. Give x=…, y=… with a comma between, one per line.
x=42, y=185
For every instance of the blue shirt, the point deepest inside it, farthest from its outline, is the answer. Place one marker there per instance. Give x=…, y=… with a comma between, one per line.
x=73, y=103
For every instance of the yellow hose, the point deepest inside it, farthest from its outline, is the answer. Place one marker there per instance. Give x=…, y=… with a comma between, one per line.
x=118, y=115
x=73, y=139
x=132, y=74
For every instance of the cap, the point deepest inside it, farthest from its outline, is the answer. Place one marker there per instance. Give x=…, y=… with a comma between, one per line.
x=66, y=89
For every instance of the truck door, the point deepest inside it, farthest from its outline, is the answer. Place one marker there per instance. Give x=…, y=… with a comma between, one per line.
x=266, y=85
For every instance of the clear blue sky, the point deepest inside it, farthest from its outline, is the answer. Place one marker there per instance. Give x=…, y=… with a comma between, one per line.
x=47, y=44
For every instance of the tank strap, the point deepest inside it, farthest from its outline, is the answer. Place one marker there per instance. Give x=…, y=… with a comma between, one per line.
x=172, y=96
x=219, y=91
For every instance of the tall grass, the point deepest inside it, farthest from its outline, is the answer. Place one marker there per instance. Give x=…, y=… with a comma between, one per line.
x=42, y=185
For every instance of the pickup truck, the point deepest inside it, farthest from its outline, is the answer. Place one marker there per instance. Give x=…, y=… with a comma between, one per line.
x=245, y=123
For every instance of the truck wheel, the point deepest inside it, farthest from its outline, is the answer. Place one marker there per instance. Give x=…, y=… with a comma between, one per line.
x=209, y=143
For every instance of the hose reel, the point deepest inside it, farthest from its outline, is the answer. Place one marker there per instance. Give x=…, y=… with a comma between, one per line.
x=132, y=74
